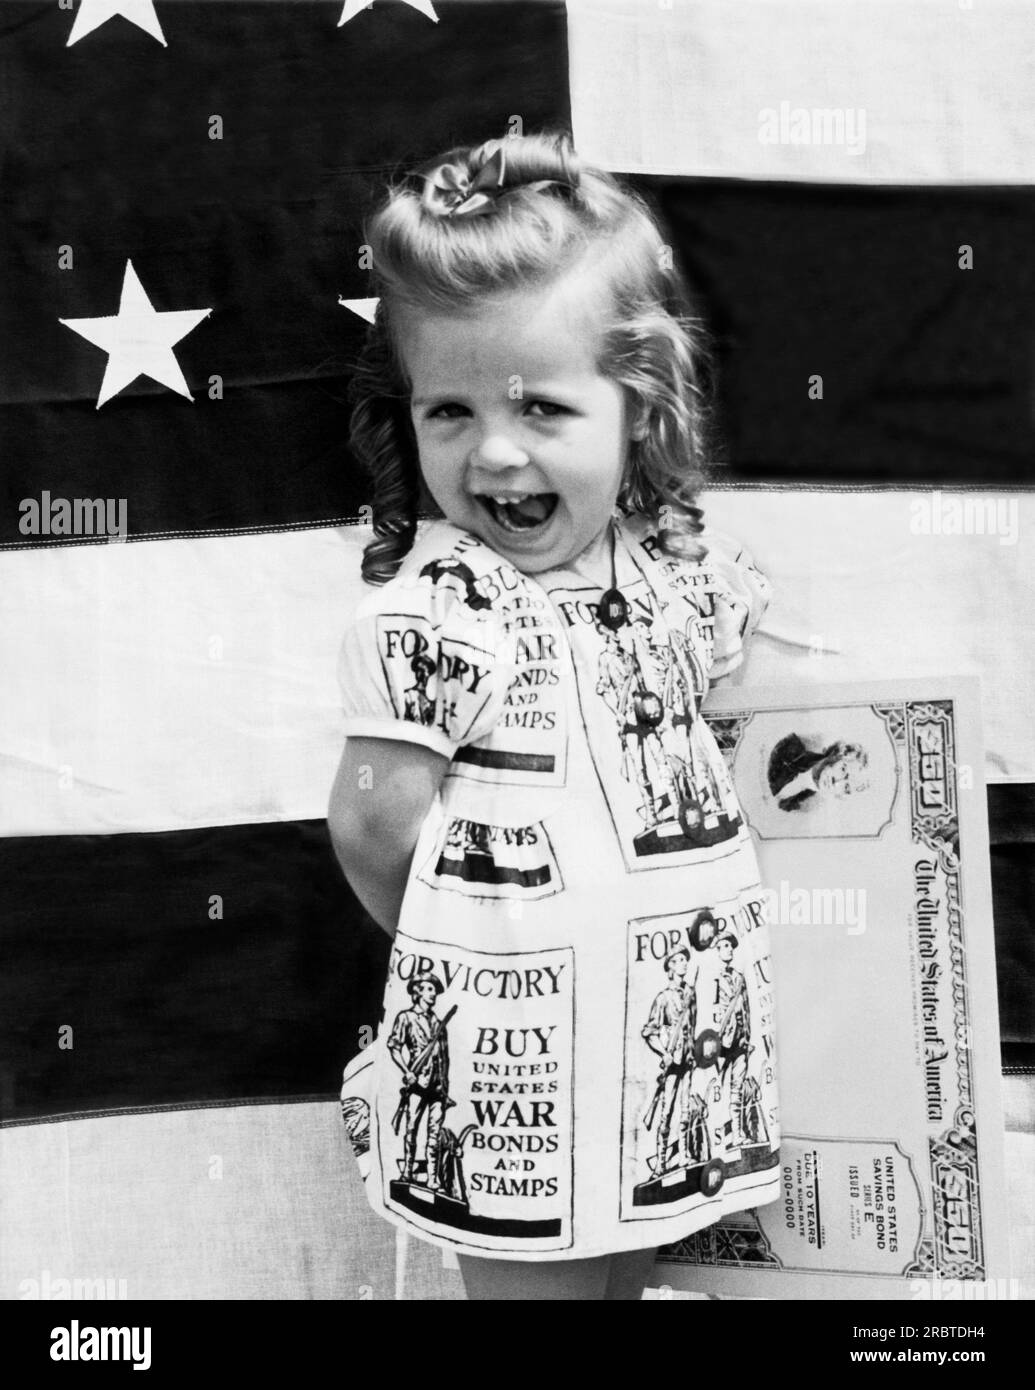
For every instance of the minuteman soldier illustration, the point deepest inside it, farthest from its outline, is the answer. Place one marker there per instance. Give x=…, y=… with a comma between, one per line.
x=728, y=1047
x=639, y=680
x=637, y=712
x=419, y=1046
x=684, y=684
x=670, y=1032
x=420, y=1049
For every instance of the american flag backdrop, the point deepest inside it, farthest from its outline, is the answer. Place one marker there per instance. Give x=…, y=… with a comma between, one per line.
x=183, y=292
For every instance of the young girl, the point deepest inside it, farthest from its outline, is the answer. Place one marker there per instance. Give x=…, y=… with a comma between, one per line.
x=575, y=1062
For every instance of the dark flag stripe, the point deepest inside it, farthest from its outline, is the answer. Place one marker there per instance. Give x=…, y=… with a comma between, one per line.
x=112, y=938
x=928, y=370
x=1011, y=831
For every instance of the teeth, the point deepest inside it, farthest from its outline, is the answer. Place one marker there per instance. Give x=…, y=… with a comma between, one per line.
x=512, y=497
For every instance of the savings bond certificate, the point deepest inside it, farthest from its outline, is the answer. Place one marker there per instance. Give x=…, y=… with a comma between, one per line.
x=867, y=806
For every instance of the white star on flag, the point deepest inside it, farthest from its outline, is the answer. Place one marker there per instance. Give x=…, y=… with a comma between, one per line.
x=353, y=7
x=365, y=308
x=93, y=13
x=138, y=339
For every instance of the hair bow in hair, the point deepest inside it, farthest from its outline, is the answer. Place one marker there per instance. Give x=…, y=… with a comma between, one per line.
x=451, y=192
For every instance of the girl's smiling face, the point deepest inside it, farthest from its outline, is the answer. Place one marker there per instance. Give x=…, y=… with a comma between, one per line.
x=507, y=402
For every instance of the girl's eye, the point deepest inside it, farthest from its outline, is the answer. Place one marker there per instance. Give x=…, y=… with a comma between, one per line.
x=452, y=410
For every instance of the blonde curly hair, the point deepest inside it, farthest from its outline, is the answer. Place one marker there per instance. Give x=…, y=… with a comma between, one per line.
x=546, y=216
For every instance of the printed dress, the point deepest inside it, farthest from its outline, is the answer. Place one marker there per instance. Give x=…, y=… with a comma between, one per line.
x=576, y=1051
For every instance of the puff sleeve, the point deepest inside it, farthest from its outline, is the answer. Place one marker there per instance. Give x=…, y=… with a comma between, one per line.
x=418, y=663
x=742, y=594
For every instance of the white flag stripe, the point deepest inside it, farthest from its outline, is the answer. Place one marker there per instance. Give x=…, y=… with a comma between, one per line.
x=876, y=584
x=186, y=682
x=193, y=682
x=283, y=1215
x=862, y=91
x=239, y=1201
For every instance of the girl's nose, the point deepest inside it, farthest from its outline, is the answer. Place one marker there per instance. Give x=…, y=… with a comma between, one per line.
x=498, y=450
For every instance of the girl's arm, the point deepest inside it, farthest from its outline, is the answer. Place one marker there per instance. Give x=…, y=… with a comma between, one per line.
x=383, y=791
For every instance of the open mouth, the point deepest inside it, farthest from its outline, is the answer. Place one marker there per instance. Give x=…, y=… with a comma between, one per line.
x=520, y=513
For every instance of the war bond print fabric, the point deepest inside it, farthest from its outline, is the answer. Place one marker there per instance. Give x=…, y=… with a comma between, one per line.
x=576, y=1052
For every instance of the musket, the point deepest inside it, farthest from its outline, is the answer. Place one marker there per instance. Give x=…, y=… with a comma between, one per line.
x=407, y=1089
